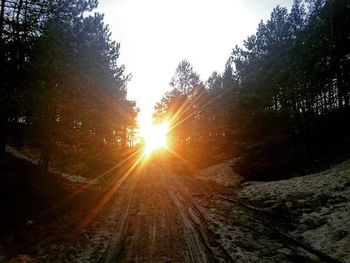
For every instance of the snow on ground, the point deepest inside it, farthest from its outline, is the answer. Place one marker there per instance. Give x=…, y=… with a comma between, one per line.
x=33, y=158
x=222, y=174
x=24, y=154
x=75, y=178
x=316, y=206
x=314, y=209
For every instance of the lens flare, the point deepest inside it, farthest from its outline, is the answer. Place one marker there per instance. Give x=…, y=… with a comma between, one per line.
x=155, y=137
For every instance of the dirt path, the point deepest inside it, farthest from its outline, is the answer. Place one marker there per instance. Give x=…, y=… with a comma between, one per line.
x=158, y=214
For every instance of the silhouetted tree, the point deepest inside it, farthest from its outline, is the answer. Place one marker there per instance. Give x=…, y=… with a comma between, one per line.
x=283, y=98
x=63, y=84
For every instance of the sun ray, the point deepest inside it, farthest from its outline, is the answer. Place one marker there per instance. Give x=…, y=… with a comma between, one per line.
x=191, y=166
x=85, y=187
x=107, y=197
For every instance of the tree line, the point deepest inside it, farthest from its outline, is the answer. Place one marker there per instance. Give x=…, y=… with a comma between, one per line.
x=61, y=87
x=282, y=103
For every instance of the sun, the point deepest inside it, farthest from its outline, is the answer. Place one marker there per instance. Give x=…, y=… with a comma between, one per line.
x=155, y=137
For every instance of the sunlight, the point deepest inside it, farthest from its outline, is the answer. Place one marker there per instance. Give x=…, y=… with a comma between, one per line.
x=155, y=137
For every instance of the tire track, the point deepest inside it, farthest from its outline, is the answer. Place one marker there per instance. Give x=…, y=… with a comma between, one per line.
x=169, y=220
x=116, y=243
x=93, y=241
x=195, y=249
x=214, y=250
x=159, y=216
x=270, y=218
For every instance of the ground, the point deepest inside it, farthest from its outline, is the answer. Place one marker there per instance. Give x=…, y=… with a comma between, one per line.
x=316, y=207
x=161, y=213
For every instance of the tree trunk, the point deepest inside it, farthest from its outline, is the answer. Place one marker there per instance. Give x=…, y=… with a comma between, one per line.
x=2, y=14
x=2, y=25
x=347, y=100
x=2, y=136
x=44, y=160
x=2, y=144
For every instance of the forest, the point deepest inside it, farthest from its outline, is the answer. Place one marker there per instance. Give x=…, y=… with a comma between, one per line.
x=62, y=90
x=281, y=106
x=251, y=164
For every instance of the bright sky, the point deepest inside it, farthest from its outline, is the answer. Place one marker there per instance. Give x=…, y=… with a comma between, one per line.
x=155, y=35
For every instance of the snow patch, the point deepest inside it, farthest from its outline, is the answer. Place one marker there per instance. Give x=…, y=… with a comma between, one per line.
x=76, y=178
x=222, y=174
x=34, y=159
x=317, y=205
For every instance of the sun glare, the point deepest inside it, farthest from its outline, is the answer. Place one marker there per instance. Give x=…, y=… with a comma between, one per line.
x=155, y=137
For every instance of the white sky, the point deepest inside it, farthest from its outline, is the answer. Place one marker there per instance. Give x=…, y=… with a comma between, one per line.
x=155, y=35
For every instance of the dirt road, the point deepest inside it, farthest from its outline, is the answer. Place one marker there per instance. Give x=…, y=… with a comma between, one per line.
x=158, y=214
